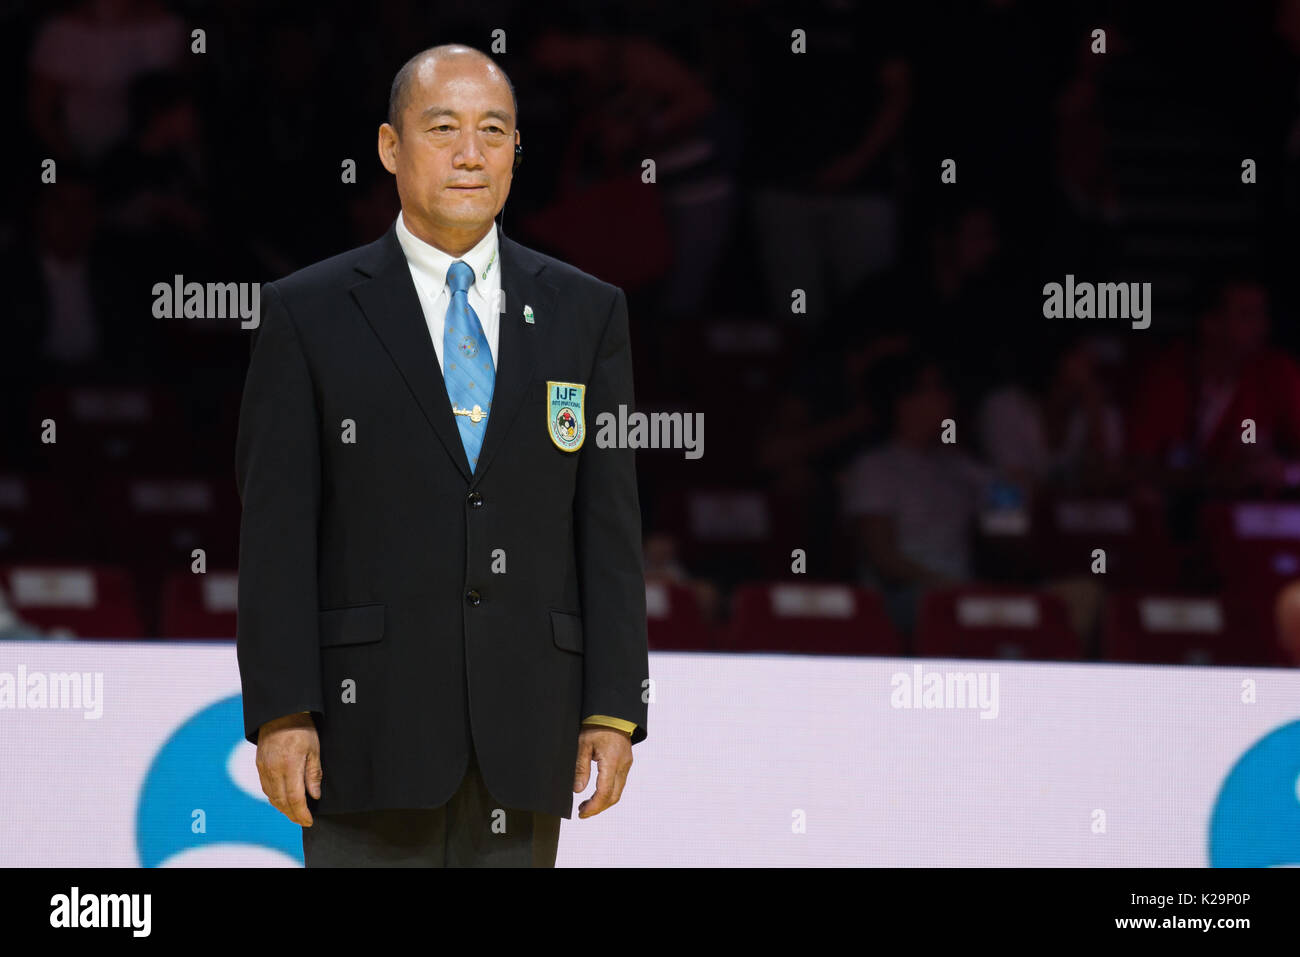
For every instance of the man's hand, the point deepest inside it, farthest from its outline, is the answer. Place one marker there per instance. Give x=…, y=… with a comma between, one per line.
x=288, y=765
x=611, y=749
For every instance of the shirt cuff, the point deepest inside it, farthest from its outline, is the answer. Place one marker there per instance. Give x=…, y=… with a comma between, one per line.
x=627, y=727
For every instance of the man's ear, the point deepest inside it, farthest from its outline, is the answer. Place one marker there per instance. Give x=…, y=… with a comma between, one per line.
x=389, y=142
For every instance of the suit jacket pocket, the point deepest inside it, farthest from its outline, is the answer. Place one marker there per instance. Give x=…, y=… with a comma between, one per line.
x=353, y=625
x=566, y=631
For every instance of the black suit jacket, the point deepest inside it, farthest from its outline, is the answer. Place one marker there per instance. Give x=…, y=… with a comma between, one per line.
x=367, y=589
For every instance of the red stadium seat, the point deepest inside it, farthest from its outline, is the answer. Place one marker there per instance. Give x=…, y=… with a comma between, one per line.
x=737, y=534
x=83, y=601
x=39, y=519
x=199, y=606
x=159, y=521
x=1254, y=611
x=1174, y=628
x=742, y=355
x=673, y=618
x=719, y=531
x=811, y=618
x=989, y=621
x=735, y=367
x=1133, y=535
x=112, y=427
x=1250, y=543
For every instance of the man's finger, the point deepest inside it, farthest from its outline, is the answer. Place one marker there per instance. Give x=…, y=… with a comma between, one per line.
x=314, y=774
x=273, y=788
x=296, y=796
x=604, y=790
x=620, y=779
x=582, y=771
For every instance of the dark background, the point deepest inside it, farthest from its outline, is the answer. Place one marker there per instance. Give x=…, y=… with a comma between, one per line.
x=923, y=298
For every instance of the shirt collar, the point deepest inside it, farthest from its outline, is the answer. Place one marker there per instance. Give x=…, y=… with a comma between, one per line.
x=433, y=263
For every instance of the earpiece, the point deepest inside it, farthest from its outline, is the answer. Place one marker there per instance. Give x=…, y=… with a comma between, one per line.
x=501, y=216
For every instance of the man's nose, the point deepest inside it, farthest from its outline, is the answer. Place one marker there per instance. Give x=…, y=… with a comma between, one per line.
x=470, y=153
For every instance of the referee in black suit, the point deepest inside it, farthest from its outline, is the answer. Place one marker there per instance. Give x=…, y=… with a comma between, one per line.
x=441, y=596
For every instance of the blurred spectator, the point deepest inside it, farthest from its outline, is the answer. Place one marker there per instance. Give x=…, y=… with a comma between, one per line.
x=1084, y=427
x=824, y=137
x=961, y=283
x=1071, y=437
x=835, y=167
x=915, y=498
x=1012, y=432
x=155, y=181
x=1083, y=169
x=1187, y=421
x=82, y=65
x=798, y=439
x=662, y=564
x=664, y=108
x=65, y=234
x=56, y=296
x=805, y=442
x=634, y=99
x=965, y=247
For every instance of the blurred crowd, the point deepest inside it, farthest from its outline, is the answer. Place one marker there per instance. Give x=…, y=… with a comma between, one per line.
x=865, y=339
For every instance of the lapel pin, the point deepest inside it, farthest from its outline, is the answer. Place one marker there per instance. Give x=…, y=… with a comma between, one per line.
x=528, y=314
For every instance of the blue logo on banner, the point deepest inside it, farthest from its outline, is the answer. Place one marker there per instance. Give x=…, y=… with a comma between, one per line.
x=1256, y=819
x=189, y=774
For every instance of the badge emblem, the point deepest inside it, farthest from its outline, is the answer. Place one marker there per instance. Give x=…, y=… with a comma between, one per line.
x=564, y=414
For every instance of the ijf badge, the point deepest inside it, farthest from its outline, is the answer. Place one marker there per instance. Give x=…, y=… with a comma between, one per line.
x=564, y=414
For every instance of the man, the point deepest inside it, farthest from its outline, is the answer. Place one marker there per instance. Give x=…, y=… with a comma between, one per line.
x=913, y=500
x=441, y=599
x=1188, y=422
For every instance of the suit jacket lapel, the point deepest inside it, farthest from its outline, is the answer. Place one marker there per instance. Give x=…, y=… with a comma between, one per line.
x=523, y=283
x=392, y=308
x=388, y=298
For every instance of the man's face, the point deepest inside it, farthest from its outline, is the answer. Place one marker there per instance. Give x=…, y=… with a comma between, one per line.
x=453, y=157
x=929, y=403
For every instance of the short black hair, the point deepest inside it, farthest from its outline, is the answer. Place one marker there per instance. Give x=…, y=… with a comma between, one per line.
x=892, y=378
x=402, y=81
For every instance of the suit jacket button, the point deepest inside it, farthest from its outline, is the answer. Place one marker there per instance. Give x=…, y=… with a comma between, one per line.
x=473, y=597
x=475, y=500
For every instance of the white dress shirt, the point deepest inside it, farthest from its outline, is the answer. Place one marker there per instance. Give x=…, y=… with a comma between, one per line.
x=429, y=265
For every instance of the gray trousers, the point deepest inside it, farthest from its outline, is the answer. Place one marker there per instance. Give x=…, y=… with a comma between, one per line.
x=470, y=830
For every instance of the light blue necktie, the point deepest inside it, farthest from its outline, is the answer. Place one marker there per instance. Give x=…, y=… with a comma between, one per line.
x=466, y=363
